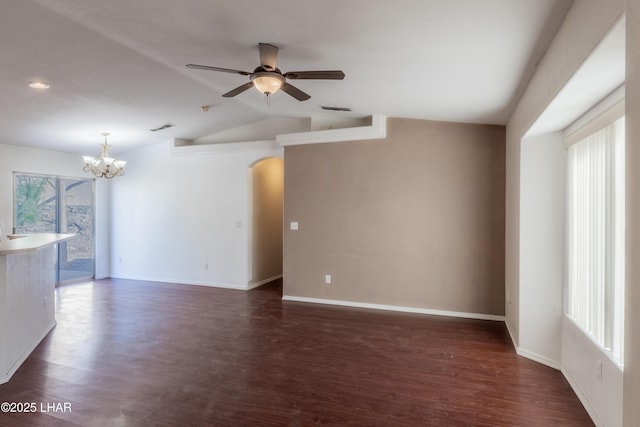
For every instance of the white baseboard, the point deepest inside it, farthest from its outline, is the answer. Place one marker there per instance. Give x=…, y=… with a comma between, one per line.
x=263, y=282
x=6, y=377
x=538, y=358
x=183, y=282
x=513, y=341
x=583, y=399
x=212, y=285
x=531, y=355
x=417, y=310
x=208, y=284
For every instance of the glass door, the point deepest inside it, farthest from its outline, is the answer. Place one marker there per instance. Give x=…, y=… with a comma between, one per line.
x=59, y=205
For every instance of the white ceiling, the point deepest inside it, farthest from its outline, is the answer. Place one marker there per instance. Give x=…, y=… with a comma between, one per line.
x=118, y=66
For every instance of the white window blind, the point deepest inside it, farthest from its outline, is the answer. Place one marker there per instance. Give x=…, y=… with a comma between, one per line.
x=595, y=225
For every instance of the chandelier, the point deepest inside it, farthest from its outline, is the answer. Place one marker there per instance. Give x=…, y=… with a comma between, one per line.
x=104, y=166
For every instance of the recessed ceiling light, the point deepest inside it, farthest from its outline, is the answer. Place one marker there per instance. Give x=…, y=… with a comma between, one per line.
x=39, y=85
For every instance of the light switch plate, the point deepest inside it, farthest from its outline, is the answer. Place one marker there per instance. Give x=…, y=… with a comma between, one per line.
x=294, y=225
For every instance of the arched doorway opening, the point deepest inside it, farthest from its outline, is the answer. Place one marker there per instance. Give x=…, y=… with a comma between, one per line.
x=267, y=183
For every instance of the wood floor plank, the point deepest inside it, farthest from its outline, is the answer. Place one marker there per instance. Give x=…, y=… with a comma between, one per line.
x=131, y=353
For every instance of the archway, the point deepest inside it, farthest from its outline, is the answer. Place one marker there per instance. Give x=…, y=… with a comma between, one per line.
x=267, y=183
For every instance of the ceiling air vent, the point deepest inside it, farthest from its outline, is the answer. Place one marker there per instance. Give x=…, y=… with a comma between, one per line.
x=163, y=127
x=324, y=107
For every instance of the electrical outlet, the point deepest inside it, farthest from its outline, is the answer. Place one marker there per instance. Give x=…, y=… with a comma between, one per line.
x=206, y=265
x=327, y=279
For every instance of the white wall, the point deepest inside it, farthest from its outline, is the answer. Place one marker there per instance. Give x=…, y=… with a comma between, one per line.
x=593, y=375
x=15, y=158
x=586, y=23
x=546, y=334
x=585, y=26
x=183, y=217
x=542, y=183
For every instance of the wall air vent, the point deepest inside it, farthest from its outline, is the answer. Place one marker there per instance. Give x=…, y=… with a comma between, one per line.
x=163, y=127
x=324, y=107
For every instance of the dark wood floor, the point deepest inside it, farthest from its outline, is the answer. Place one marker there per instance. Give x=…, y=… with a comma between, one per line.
x=129, y=353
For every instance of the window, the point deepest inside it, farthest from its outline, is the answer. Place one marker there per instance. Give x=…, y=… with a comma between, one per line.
x=51, y=204
x=595, y=233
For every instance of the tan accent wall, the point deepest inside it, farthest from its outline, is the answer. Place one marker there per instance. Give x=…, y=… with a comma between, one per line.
x=267, y=205
x=632, y=296
x=416, y=219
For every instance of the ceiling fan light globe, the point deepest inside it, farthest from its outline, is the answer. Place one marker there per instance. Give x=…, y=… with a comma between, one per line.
x=267, y=82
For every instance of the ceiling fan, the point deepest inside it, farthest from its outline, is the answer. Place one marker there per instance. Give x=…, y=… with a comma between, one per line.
x=268, y=79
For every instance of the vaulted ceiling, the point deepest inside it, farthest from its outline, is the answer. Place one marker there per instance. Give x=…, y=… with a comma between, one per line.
x=118, y=66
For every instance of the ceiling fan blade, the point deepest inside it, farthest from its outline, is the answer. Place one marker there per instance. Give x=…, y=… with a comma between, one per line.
x=295, y=92
x=268, y=56
x=326, y=75
x=224, y=70
x=238, y=90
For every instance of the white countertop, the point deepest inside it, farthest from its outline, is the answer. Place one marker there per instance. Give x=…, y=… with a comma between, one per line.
x=31, y=242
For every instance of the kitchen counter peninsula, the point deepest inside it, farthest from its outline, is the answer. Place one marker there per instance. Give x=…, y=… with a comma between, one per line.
x=27, y=283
